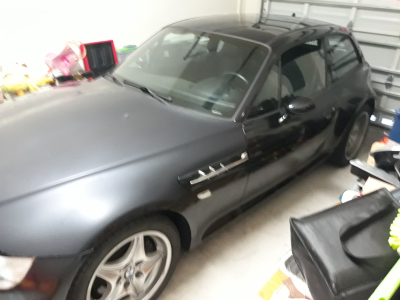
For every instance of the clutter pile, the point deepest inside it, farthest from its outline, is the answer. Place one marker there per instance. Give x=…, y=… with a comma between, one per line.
x=287, y=283
x=350, y=251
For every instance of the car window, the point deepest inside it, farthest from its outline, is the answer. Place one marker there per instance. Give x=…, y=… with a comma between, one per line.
x=303, y=70
x=267, y=98
x=202, y=71
x=343, y=56
x=177, y=45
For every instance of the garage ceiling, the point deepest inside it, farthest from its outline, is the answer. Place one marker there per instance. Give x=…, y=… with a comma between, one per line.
x=376, y=25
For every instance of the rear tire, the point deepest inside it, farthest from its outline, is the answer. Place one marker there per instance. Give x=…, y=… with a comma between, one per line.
x=136, y=261
x=351, y=143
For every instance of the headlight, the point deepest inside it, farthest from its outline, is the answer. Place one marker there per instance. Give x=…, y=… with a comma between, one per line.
x=13, y=270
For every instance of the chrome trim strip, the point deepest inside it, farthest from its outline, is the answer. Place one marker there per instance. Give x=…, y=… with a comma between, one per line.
x=203, y=176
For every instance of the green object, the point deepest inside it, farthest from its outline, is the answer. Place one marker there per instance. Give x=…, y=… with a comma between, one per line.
x=391, y=283
x=126, y=49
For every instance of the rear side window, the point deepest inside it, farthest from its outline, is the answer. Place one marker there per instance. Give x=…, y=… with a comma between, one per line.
x=343, y=55
x=303, y=70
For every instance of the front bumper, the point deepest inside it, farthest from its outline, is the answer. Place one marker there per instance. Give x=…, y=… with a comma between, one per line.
x=48, y=279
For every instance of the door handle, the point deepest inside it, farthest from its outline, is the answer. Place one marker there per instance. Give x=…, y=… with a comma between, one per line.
x=283, y=118
x=329, y=115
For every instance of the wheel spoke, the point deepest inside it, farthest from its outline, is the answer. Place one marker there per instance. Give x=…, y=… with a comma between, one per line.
x=147, y=272
x=109, y=274
x=138, y=251
x=123, y=261
x=151, y=267
x=138, y=283
x=152, y=263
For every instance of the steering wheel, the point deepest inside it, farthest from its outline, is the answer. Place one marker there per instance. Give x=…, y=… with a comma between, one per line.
x=237, y=75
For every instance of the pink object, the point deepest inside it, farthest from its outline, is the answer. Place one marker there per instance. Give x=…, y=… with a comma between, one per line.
x=64, y=61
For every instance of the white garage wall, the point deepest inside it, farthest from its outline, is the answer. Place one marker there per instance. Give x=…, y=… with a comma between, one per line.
x=30, y=29
x=375, y=24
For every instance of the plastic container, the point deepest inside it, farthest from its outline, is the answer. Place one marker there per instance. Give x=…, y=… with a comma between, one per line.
x=394, y=133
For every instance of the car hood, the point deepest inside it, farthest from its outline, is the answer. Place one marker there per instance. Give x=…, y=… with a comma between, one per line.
x=62, y=134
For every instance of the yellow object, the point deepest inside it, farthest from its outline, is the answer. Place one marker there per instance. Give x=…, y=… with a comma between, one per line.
x=391, y=283
x=44, y=80
x=272, y=285
x=18, y=84
x=394, y=239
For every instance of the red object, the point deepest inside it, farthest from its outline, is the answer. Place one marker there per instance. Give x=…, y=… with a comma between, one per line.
x=86, y=61
x=384, y=140
x=343, y=29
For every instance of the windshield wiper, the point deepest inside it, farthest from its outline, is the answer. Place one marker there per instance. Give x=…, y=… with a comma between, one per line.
x=161, y=98
x=113, y=78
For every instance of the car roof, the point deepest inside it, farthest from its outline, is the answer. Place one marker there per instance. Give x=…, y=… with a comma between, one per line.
x=263, y=30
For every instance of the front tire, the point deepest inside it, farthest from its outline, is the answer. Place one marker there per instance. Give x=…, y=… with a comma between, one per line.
x=350, y=145
x=136, y=262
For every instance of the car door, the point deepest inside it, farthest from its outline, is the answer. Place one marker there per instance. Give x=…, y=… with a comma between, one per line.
x=348, y=77
x=291, y=118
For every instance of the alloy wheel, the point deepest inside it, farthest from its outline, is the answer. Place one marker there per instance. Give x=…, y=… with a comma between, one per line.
x=356, y=135
x=133, y=269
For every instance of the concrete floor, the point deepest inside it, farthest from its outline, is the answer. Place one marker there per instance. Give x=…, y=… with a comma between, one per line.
x=236, y=261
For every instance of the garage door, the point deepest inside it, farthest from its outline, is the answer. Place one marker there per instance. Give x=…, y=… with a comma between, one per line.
x=376, y=25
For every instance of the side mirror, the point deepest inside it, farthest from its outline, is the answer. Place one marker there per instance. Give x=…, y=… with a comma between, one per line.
x=300, y=105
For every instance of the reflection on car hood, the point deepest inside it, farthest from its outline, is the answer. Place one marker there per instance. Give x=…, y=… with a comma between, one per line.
x=57, y=135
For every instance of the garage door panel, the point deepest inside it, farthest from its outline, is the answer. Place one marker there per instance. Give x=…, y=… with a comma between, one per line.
x=387, y=3
x=335, y=15
x=382, y=78
x=340, y=1
x=387, y=102
x=378, y=56
x=376, y=25
x=383, y=21
x=374, y=37
x=287, y=9
x=393, y=89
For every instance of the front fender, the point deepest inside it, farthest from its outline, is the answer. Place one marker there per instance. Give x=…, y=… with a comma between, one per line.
x=67, y=218
x=64, y=219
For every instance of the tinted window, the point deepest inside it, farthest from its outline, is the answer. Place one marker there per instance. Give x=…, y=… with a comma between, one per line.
x=303, y=70
x=267, y=99
x=343, y=55
x=197, y=70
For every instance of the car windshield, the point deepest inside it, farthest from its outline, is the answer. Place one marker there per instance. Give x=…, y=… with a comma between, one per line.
x=205, y=72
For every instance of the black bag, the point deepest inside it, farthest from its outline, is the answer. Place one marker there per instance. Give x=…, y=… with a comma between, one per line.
x=343, y=252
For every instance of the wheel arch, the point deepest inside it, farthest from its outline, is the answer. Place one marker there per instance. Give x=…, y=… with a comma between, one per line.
x=371, y=103
x=180, y=222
